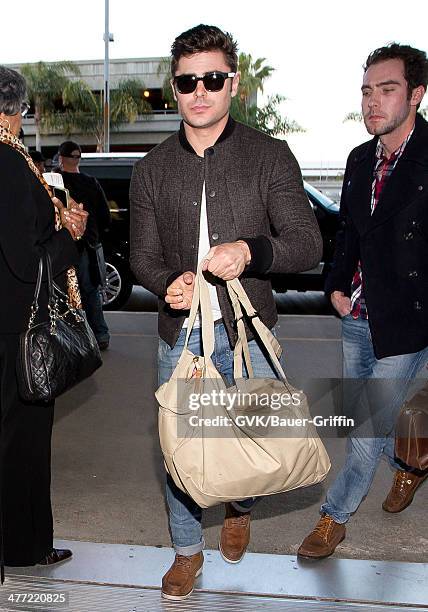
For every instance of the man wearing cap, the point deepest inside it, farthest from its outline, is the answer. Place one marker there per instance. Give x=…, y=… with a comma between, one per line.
x=86, y=189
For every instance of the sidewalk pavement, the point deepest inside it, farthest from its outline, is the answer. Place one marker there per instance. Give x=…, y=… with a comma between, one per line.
x=108, y=474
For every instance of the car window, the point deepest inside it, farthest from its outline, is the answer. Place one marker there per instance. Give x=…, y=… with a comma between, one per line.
x=106, y=171
x=318, y=198
x=114, y=179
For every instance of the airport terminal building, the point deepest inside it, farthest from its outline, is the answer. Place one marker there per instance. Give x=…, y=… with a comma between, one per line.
x=146, y=132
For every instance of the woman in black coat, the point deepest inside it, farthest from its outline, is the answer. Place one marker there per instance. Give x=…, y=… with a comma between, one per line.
x=29, y=222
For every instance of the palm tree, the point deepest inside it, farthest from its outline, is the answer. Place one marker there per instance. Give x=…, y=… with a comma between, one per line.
x=164, y=68
x=244, y=107
x=45, y=84
x=354, y=116
x=253, y=74
x=84, y=110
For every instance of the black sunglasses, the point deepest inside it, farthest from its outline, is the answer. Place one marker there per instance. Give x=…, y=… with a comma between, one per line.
x=213, y=81
x=72, y=156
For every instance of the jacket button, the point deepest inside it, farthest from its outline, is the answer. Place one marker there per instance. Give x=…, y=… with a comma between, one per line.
x=415, y=224
x=195, y=203
x=210, y=151
x=420, y=187
x=408, y=236
x=349, y=183
x=417, y=306
x=212, y=193
x=214, y=236
x=413, y=274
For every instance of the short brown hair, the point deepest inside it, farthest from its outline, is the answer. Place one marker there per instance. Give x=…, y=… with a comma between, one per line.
x=204, y=38
x=415, y=63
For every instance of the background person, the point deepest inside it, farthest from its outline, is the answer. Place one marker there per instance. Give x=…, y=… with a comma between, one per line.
x=39, y=160
x=379, y=280
x=211, y=192
x=27, y=230
x=86, y=189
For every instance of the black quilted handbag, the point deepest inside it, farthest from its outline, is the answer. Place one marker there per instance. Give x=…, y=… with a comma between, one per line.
x=57, y=354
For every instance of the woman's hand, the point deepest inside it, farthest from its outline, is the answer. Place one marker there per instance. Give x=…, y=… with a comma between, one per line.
x=74, y=218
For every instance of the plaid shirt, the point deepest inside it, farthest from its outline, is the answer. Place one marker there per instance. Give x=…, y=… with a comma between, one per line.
x=382, y=171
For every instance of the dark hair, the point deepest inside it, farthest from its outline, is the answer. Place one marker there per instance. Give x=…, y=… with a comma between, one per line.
x=204, y=38
x=37, y=156
x=13, y=91
x=67, y=148
x=415, y=63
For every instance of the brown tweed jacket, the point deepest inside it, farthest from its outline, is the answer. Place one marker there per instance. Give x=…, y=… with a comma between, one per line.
x=254, y=192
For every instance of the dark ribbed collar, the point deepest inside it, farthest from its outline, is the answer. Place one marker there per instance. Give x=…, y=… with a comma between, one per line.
x=228, y=130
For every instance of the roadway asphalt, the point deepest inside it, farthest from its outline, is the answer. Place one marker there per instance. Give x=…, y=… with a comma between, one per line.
x=108, y=476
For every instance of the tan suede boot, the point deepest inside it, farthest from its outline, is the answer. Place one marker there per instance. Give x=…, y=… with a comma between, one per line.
x=322, y=541
x=402, y=491
x=235, y=534
x=179, y=580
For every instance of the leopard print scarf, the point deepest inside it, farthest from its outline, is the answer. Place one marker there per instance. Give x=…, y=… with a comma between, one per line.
x=13, y=141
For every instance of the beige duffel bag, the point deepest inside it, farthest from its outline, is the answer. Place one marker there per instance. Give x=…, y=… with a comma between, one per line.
x=218, y=451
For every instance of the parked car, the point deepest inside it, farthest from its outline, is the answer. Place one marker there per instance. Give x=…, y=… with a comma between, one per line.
x=113, y=170
x=326, y=212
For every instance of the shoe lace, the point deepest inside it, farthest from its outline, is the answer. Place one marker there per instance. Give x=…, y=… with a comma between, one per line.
x=182, y=560
x=240, y=520
x=324, y=527
x=401, y=482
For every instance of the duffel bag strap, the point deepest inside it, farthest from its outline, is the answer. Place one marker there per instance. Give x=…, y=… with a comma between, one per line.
x=237, y=294
x=201, y=303
x=241, y=346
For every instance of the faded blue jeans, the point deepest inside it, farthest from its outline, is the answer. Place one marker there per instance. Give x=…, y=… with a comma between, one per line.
x=382, y=400
x=184, y=514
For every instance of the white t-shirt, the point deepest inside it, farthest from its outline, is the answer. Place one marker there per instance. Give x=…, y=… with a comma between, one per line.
x=203, y=248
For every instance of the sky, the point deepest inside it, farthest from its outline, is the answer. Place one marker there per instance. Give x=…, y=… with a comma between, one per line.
x=317, y=49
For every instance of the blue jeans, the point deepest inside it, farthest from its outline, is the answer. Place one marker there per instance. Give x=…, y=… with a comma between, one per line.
x=393, y=377
x=91, y=300
x=184, y=514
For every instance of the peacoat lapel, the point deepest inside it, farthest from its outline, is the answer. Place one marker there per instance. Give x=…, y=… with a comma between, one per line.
x=359, y=187
x=408, y=180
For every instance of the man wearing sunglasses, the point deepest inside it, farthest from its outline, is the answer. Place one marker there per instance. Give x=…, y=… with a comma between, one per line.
x=229, y=197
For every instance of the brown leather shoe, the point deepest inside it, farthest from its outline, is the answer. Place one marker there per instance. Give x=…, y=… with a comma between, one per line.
x=179, y=580
x=322, y=541
x=235, y=534
x=57, y=555
x=402, y=491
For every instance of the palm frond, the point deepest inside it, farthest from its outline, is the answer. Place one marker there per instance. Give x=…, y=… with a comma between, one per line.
x=354, y=116
x=164, y=68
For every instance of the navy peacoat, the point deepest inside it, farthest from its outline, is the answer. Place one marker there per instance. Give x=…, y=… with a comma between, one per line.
x=391, y=243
